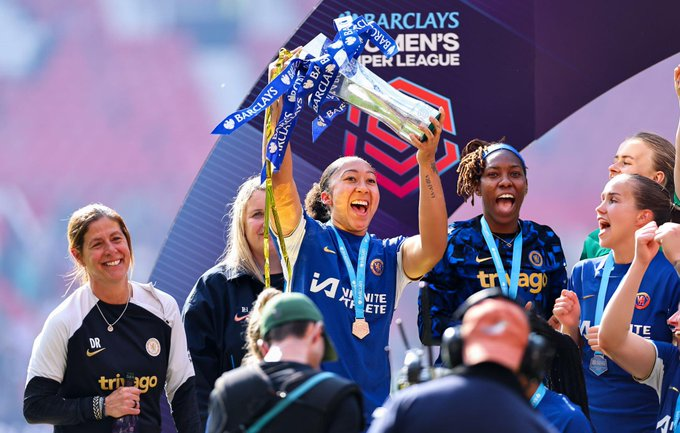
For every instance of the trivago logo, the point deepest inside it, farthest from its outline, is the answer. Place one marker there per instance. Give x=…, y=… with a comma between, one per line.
x=380, y=143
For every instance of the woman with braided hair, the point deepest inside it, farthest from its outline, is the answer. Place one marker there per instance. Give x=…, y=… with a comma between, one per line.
x=495, y=248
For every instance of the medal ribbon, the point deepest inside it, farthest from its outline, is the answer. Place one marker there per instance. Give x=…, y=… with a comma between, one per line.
x=538, y=395
x=357, y=279
x=511, y=291
x=271, y=92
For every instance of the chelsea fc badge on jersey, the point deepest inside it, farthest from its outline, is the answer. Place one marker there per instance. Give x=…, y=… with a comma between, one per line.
x=377, y=267
x=598, y=364
x=153, y=347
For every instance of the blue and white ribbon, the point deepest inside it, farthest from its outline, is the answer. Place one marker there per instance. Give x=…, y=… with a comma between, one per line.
x=271, y=92
x=311, y=80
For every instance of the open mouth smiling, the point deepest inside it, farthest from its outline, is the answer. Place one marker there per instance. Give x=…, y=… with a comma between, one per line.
x=360, y=206
x=506, y=198
x=603, y=224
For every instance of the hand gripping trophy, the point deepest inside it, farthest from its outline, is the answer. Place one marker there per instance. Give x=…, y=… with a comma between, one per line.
x=327, y=73
x=326, y=76
x=359, y=86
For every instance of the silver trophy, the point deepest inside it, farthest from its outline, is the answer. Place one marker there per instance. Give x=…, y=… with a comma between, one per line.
x=360, y=87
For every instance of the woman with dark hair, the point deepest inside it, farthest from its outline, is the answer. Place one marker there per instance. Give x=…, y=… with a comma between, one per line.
x=354, y=277
x=215, y=311
x=109, y=328
x=648, y=155
x=617, y=403
x=560, y=396
x=495, y=248
x=651, y=362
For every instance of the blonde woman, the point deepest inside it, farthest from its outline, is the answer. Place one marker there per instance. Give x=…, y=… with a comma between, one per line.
x=216, y=310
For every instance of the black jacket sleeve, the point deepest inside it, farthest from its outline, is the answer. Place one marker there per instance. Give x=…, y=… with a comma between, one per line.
x=43, y=405
x=185, y=408
x=204, y=336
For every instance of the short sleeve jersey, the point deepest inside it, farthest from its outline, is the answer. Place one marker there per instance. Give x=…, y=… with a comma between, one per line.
x=665, y=381
x=319, y=271
x=617, y=403
x=467, y=267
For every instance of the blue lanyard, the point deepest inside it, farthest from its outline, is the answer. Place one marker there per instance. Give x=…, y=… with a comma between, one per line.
x=498, y=263
x=602, y=293
x=538, y=395
x=357, y=279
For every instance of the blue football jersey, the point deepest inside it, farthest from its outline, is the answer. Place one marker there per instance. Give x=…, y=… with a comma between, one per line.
x=467, y=268
x=665, y=381
x=319, y=271
x=618, y=404
x=564, y=415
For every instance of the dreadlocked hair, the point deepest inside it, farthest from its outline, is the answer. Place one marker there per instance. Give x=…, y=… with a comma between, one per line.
x=470, y=168
x=565, y=375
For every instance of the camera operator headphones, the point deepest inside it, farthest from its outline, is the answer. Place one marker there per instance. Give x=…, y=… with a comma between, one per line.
x=537, y=355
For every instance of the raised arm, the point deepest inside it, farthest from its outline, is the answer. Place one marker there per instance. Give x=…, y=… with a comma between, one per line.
x=632, y=352
x=421, y=252
x=285, y=191
x=286, y=195
x=669, y=235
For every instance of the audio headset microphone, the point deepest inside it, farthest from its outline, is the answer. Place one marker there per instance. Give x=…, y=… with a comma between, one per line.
x=537, y=354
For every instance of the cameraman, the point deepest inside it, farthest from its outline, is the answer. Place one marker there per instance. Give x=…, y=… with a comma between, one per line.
x=484, y=395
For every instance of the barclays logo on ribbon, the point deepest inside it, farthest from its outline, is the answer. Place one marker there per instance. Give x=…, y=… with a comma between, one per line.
x=229, y=124
x=316, y=77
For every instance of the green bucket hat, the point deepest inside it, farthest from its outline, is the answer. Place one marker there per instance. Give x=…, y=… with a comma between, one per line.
x=293, y=307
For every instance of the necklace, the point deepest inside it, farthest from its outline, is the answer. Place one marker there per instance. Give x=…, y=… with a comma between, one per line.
x=110, y=327
x=514, y=236
x=507, y=244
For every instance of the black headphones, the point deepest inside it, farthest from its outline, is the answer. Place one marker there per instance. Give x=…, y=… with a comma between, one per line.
x=537, y=355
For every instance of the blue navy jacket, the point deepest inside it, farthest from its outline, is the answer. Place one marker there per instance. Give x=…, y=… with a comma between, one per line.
x=214, y=316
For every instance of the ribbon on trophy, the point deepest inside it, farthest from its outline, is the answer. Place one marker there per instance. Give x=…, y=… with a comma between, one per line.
x=348, y=44
x=311, y=78
x=326, y=76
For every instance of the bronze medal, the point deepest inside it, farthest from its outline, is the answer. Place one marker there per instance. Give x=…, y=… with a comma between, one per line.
x=360, y=328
